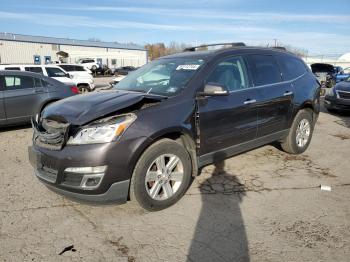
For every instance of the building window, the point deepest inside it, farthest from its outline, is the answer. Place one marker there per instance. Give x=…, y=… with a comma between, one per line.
x=114, y=61
x=47, y=60
x=37, y=60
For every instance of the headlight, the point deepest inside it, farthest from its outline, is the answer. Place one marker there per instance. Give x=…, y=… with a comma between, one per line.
x=103, y=131
x=330, y=92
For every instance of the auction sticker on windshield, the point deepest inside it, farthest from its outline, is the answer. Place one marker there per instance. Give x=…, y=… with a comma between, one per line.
x=187, y=67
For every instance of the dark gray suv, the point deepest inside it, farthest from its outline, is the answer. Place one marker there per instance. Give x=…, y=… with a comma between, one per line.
x=25, y=94
x=147, y=138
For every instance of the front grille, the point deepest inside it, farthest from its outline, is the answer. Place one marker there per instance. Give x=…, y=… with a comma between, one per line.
x=72, y=179
x=47, y=174
x=343, y=95
x=50, y=134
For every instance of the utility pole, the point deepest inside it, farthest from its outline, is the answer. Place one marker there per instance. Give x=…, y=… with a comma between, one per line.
x=275, y=41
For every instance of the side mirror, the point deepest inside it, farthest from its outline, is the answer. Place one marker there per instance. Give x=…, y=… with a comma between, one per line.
x=214, y=89
x=68, y=75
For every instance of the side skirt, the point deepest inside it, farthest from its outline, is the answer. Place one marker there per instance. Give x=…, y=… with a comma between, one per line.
x=208, y=159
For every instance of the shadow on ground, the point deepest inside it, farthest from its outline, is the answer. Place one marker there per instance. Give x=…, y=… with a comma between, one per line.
x=220, y=232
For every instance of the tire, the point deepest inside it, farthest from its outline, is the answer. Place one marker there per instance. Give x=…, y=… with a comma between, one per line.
x=93, y=68
x=146, y=167
x=331, y=110
x=83, y=89
x=290, y=144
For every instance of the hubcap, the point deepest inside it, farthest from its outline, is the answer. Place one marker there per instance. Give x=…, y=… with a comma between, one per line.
x=84, y=90
x=303, y=133
x=164, y=177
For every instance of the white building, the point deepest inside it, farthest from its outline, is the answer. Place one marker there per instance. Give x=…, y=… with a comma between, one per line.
x=25, y=49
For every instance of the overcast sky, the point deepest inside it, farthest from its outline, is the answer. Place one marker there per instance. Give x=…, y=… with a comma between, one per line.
x=320, y=26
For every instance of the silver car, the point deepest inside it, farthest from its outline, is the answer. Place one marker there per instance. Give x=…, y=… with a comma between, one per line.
x=25, y=94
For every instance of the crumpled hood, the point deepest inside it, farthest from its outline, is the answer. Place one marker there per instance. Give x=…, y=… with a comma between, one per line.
x=344, y=86
x=82, y=109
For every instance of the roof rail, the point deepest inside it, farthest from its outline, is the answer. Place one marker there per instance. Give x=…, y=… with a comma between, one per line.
x=192, y=49
x=280, y=48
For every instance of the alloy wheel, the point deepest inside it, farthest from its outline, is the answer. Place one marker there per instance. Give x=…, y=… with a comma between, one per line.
x=164, y=177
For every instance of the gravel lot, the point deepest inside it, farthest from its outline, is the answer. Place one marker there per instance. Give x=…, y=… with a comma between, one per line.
x=267, y=206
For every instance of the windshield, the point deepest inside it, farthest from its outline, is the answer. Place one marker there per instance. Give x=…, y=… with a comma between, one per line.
x=347, y=80
x=165, y=77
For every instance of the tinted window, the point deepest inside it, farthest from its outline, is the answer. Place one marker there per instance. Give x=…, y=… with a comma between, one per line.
x=18, y=82
x=34, y=69
x=266, y=70
x=88, y=61
x=230, y=73
x=79, y=68
x=37, y=82
x=291, y=67
x=67, y=68
x=55, y=72
x=12, y=68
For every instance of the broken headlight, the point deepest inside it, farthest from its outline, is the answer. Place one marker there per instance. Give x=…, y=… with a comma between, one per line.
x=103, y=131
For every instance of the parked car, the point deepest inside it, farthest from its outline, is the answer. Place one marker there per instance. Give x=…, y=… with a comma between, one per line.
x=90, y=63
x=343, y=75
x=121, y=73
x=147, y=138
x=325, y=74
x=82, y=75
x=25, y=94
x=338, y=98
x=124, y=70
x=54, y=72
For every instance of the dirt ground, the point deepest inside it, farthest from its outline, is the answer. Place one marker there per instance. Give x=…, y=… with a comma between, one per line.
x=267, y=206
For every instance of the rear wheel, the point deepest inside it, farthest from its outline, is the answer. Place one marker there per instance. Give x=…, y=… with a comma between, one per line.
x=300, y=133
x=161, y=176
x=83, y=89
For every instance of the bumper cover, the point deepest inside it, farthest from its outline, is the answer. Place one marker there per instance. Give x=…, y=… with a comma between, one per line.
x=50, y=167
x=117, y=193
x=332, y=102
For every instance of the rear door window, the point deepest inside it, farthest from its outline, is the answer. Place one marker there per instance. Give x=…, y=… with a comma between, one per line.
x=18, y=82
x=55, y=72
x=265, y=70
x=36, y=69
x=291, y=67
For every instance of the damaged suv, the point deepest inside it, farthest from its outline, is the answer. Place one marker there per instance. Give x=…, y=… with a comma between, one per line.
x=145, y=139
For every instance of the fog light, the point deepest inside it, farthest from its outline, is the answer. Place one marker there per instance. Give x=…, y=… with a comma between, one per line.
x=92, y=175
x=91, y=181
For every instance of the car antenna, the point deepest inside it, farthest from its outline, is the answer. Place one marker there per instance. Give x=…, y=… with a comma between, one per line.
x=149, y=90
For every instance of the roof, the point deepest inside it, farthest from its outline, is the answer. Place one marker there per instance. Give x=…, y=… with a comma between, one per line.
x=239, y=49
x=65, y=41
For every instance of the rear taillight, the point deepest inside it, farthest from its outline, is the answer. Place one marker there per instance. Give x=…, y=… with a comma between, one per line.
x=74, y=89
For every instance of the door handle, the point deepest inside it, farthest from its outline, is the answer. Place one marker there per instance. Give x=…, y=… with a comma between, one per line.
x=288, y=93
x=250, y=101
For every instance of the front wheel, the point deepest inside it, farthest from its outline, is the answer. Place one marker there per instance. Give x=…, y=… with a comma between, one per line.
x=300, y=134
x=161, y=176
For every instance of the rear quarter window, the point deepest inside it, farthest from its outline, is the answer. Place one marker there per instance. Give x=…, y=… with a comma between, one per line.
x=291, y=67
x=79, y=68
x=12, y=68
